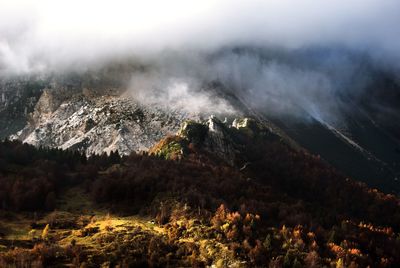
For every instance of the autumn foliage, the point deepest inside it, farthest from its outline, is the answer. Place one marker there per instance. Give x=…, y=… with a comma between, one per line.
x=286, y=209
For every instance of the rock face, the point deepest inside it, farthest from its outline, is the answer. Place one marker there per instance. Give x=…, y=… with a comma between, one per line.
x=97, y=124
x=18, y=97
x=218, y=140
x=212, y=136
x=221, y=139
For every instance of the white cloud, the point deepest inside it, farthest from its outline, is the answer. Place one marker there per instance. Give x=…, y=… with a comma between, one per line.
x=51, y=33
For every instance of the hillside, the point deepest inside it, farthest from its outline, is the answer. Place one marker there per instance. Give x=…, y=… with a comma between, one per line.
x=191, y=207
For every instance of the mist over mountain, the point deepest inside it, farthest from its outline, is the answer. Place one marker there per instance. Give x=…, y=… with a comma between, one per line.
x=302, y=83
x=328, y=50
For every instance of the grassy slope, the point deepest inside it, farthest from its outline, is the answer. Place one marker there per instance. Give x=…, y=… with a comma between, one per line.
x=97, y=237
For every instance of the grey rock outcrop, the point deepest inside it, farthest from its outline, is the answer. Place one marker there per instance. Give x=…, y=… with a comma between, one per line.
x=97, y=124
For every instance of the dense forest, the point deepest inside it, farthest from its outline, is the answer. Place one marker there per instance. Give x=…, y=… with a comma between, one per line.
x=286, y=209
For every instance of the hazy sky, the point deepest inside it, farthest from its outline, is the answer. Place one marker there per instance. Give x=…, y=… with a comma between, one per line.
x=39, y=34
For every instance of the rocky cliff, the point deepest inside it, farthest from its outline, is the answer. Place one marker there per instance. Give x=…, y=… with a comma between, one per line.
x=97, y=124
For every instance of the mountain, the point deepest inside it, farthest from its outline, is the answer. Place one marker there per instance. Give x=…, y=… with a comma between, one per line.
x=97, y=171
x=92, y=112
